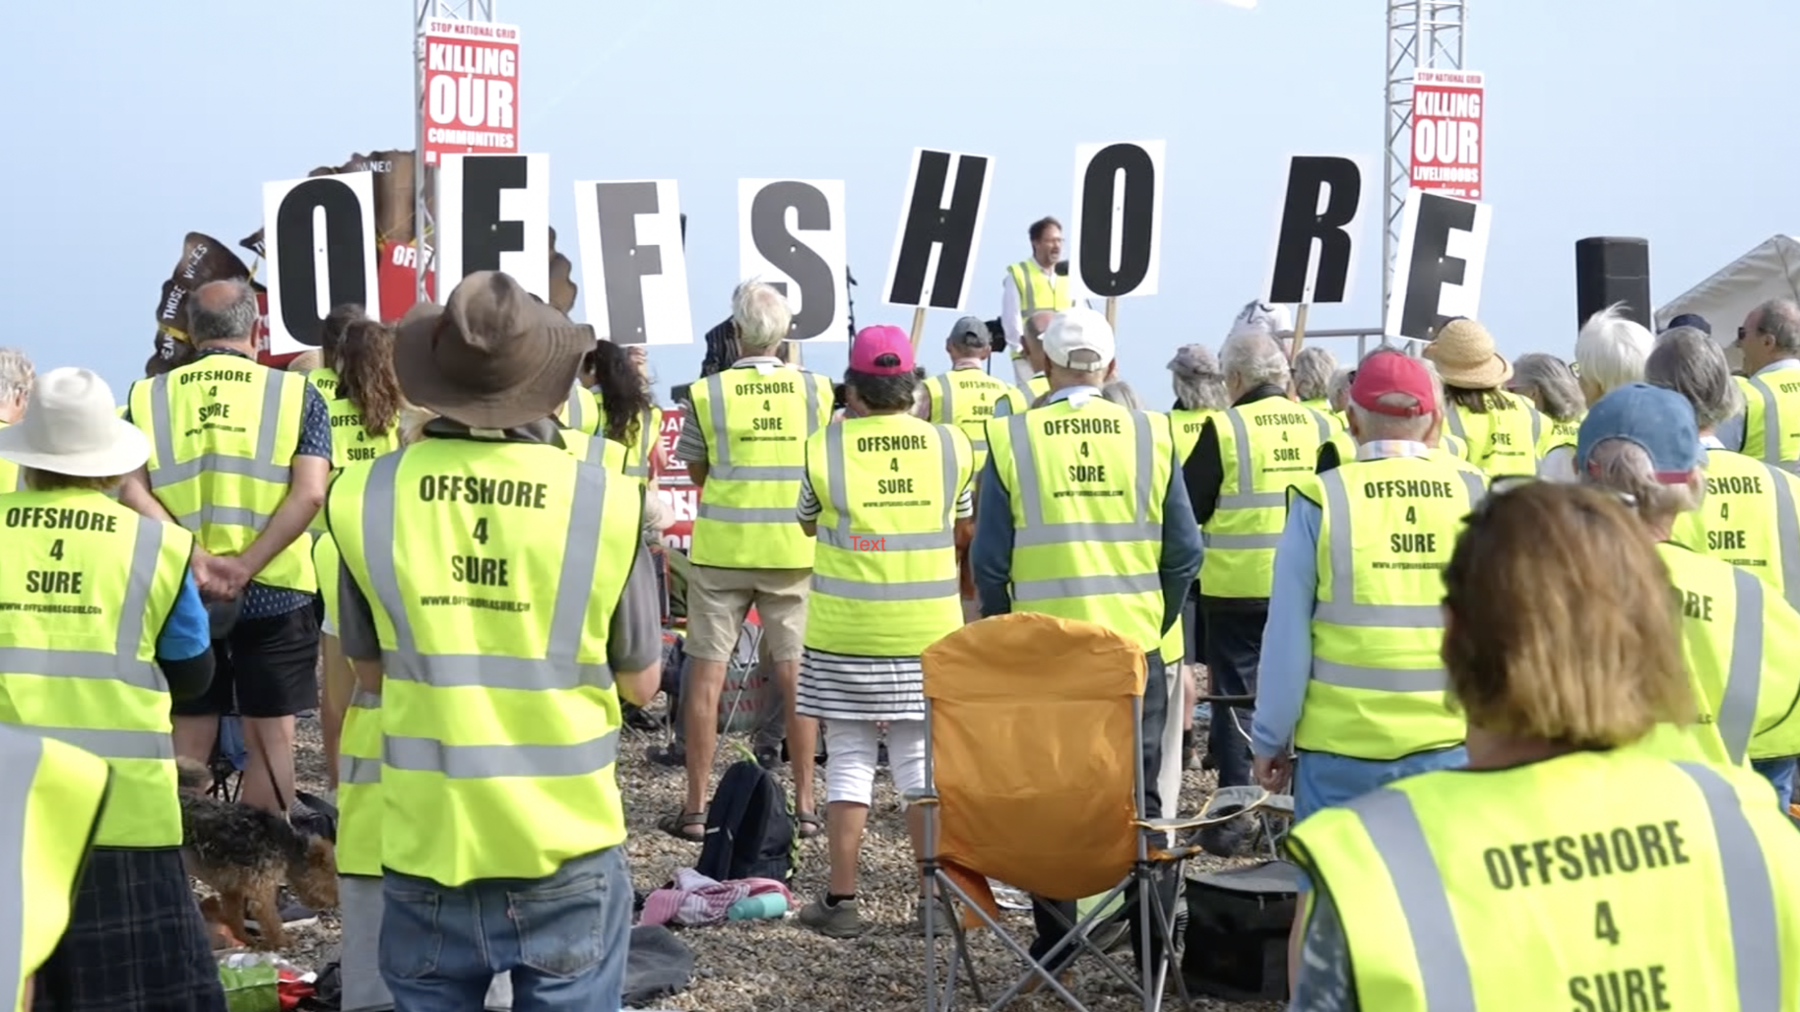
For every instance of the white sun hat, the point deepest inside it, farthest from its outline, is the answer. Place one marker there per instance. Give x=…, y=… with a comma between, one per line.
x=72, y=426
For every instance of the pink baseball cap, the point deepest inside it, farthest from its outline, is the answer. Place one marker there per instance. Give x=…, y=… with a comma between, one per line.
x=874, y=344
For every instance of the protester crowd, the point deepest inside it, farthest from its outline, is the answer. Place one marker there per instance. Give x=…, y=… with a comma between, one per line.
x=1504, y=626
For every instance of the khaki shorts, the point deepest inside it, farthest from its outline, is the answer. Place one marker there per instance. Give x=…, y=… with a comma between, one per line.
x=718, y=599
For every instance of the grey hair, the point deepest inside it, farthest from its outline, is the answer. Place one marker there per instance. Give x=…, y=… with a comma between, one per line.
x=17, y=376
x=1254, y=358
x=1313, y=368
x=1780, y=319
x=1198, y=384
x=1337, y=392
x=1121, y=393
x=1692, y=364
x=1035, y=330
x=1623, y=466
x=1611, y=349
x=233, y=321
x=1557, y=391
x=761, y=315
x=1371, y=425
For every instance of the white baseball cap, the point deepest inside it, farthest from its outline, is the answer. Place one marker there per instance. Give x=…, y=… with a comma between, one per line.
x=72, y=426
x=1272, y=319
x=1079, y=329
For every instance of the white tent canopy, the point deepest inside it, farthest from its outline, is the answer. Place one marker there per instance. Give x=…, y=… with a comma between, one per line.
x=1770, y=271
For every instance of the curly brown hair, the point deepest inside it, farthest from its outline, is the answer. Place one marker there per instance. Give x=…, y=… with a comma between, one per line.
x=365, y=368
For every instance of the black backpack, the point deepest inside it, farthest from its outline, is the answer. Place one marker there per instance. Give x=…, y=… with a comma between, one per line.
x=749, y=828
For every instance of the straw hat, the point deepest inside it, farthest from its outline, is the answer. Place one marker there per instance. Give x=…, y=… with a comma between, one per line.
x=72, y=426
x=1464, y=354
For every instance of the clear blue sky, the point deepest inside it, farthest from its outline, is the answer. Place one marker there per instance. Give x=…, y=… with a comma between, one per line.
x=138, y=122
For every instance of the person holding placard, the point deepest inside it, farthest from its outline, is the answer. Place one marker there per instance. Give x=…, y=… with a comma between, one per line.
x=1033, y=285
x=1550, y=385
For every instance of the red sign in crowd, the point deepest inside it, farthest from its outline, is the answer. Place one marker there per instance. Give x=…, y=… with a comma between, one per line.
x=1446, y=132
x=679, y=493
x=471, y=88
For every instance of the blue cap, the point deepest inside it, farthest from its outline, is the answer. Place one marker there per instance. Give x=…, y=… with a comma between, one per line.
x=1694, y=320
x=1657, y=419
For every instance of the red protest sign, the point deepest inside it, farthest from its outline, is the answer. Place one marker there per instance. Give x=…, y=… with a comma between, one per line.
x=1446, y=132
x=471, y=88
x=399, y=281
x=680, y=496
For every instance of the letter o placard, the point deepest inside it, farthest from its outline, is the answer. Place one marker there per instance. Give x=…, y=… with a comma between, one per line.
x=1116, y=232
x=319, y=234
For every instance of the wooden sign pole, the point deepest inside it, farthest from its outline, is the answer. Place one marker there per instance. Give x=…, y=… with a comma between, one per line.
x=918, y=326
x=1112, y=314
x=1299, y=331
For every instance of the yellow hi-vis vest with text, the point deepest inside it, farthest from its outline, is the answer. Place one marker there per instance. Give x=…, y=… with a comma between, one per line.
x=1553, y=434
x=492, y=571
x=966, y=399
x=359, y=747
x=1545, y=886
x=223, y=430
x=1500, y=440
x=92, y=584
x=50, y=799
x=1772, y=417
x=352, y=442
x=581, y=411
x=638, y=449
x=1185, y=424
x=756, y=422
x=1739, y=642
x=1039, y=289
x=1264, y=446
x=1323, y=407
x=884, y=581
x=1748, y=519
x=1387, y=529
x=1086, y=487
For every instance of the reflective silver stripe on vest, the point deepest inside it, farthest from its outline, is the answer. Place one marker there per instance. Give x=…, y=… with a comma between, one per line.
x=24, y=754
x=1343, y=608
x=558, y=669
x=122, y=664
x=596, y=452
x=1246, y=497
x=482, y=762
x=1027, y=290
x=357, y=769
x=114, y=744
x=1749, y=892
x=215, y=514
x=169, y=471
x=1743, y=680
x=641, y=467
x=1399, y=840
x=1537, y=426
x=578, y=411
x=1030, y=496
x=1771, y=419
x=1787, y=534
x=840, y=535
x=721, y=467
x=944, y=398
x=1453, y=417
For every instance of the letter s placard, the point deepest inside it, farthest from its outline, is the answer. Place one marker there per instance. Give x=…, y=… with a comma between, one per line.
x=791, y=235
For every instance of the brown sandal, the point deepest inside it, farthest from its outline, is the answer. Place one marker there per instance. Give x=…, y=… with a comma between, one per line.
x=689, y=826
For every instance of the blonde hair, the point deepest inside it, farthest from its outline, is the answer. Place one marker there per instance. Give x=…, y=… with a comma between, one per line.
x=307, y=361
x=1560, y=623
x=50, y=481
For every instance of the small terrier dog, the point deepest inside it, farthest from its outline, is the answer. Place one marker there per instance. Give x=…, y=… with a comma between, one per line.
x=246, y=853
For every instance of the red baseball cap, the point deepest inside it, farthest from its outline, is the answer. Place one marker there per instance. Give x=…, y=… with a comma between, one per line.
x=1393, y=372
x=872, y=344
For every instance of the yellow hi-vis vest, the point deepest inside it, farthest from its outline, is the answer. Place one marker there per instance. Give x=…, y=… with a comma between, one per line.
x=1386, y=532
x=1553, y=434
x=12, y=476
x=91, y=585
x=1039, y=289
x=499, y=717
x=1450, y=446
x=597, y=451
x=1185, y=424
x=359, y=747
x=223, y=430
x=966, y=398
x=1500, y=440
x=1748, y=519
x=1338, y=422
x=1264, y=446
x=637, y=451
x=1772, y=417
x=352, y=442
x=1739, y=643
x=1036, y=387
x=328, y=567
x=50, y=799
x=1086, y=487
x=757, y=422
x=581, y=411
x=1545, y=886
x=884, y=581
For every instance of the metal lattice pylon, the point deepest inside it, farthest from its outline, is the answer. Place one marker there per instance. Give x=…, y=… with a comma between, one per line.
x=1422, y=35
x=425, y=177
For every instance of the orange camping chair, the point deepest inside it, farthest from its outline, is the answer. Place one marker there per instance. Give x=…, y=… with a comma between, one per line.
x=1033, y=756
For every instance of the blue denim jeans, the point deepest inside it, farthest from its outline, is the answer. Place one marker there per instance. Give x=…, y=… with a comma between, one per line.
x=563, y=939
x=1327, y=780
x=1779, y=772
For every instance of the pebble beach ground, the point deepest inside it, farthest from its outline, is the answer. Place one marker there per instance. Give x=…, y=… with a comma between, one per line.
x=765, y=966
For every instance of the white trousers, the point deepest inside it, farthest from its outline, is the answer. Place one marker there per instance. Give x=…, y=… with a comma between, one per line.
x=850, y=776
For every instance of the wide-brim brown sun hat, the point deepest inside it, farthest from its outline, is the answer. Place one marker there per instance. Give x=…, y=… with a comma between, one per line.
x=491, y=357
x=1464, y=354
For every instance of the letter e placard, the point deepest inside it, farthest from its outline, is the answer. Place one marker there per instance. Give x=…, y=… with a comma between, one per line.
x=320, y=237
x=1439, y=264
x=494, y=215
x=1116, y=232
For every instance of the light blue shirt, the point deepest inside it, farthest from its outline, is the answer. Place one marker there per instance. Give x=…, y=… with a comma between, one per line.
x=1731, y=431
x=1287, y=657
x=187, y=633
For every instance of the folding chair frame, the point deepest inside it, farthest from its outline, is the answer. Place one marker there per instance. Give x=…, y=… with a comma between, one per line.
x=1150, y=860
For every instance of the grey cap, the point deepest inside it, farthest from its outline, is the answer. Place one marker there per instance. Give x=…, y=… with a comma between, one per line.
x=1194, y=360
x=970, y=332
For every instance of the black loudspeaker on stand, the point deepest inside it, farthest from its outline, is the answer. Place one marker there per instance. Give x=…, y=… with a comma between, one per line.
x=1609, y=270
